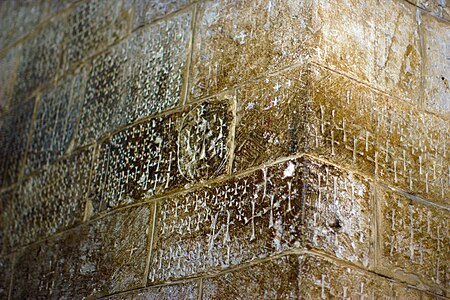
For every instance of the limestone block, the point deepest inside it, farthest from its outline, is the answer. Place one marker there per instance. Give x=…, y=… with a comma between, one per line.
x=238, y=40
x=436, y=71
x=55, y=121
x=104, y=257
x=294, y=204
x=269, y=118
x=414, y=241
x=48, y=202
x=162, y=154
x=186, y=290
x=14, y=128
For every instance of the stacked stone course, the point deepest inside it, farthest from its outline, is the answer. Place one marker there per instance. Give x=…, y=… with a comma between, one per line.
x=225, y=149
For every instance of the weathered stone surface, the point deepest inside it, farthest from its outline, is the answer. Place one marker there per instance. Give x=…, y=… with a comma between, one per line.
x=414, y=240
x=342, y=119
x=295, y=204
x=373, y=41
x=439, y=8
x=49, y=201
x=55, y=121
x=93, y=25
x=436, y=71
x=269, y=121
x=324, y=279
x=18, y=18
x=8, y=65
x=162, y=154
x=103, y=107
x=14, y=131
x=139, y=77
x=275, y=279
x=398, y=59
x=145, y=11
x=412, y=150
x=186, y=291
x=157, y=59
x=344, y=37
x=6, y=263
x=236, y=41
x=39, y=59
x=104, y=257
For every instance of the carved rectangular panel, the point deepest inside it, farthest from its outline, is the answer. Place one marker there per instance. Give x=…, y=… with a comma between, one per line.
x=156, y=66
x=55, y=121
x=322, y=278
x=273, y=279
x=186, y=291
x=436, y=70
x=162, y=154
x=93, y=25
x=104, y=257
x=49, y=201
x=269, y=121
x=15, y=128
x=414, y=240
x=236, y=41
x=295, y=204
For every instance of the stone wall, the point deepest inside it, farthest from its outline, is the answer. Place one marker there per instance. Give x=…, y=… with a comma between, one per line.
x=181, y=149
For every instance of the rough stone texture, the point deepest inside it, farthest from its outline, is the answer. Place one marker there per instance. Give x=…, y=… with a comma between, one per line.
x=324, y=279
x=92, y=25
x=8, y=65
x=103, y=257
x=19, y=18
x=436, y=46
x=145, y=11
x=216, y=149
x=269, y=118
x=414, y=241
x=157, y=59
x=162, y=153
x=186, y=291
x=48, y=202
x=238, y=40
x=137, y=78
x=373, y=41
x=14, y=131
x=55, y=121
x=276, y=279
x=295, y=204
x=39, y=59
x=6, y=264
x=439, y=8
x=103, y=100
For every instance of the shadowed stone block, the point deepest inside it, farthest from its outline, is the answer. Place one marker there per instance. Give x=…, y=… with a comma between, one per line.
x=104, y=257
x=49, y=201
x=55, y=122
x=14, y=131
